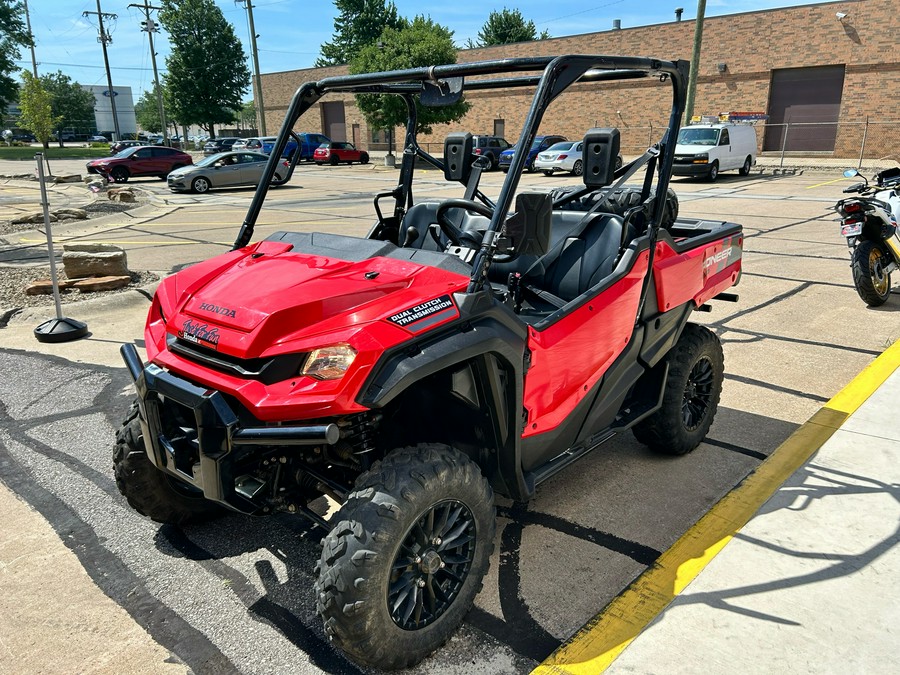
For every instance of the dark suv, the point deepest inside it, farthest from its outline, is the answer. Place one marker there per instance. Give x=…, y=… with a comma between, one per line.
x=540, y=144
x=490, y=147
x=140, y=161
x=217, y=145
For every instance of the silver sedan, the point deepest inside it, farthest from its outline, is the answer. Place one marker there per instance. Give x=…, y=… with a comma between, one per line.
x=225, y=169
x=565, y=156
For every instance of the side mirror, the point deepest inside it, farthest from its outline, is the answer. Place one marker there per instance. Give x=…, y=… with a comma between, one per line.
x=850, y=173
x=441, y=92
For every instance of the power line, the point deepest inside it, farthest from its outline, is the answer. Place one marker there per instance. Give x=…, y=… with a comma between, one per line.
x=84, y=65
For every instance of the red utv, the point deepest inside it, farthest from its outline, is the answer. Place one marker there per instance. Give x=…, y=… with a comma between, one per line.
x=140, y=161
x=335, y=152
x=467, y=346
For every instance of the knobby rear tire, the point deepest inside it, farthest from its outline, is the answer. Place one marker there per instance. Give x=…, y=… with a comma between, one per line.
x=691, y=397
x=872, y=283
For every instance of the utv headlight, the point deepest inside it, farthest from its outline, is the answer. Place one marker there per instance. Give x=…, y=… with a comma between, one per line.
x=329, y=363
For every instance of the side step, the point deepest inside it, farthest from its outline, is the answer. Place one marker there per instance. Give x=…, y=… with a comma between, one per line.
x=647, y=399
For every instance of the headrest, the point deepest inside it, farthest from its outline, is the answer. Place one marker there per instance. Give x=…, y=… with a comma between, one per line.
x=529, y=228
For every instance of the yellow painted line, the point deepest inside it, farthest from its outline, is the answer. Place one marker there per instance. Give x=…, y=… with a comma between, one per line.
x=601, y=640
x=828, y=182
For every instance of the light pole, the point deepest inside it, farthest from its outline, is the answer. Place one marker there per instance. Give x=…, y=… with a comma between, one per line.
x=695, y=61
x=258, y=98
x=103, y=38
x=150, y=26
x=31, y=36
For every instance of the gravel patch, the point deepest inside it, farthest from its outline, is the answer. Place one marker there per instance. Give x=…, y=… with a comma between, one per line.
x=13, y=281
x=95, y=209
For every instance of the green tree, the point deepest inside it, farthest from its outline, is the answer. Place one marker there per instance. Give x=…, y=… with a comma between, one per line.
x=13, y=34
x=505, y=27
x=146, y=112
x=421, y=43
x=207, y=68
x=359, y=23
x=72, y=105
x=247, y=117
x=36, y=105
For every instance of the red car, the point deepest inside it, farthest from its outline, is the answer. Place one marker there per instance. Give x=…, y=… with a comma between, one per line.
x=336, y=152
x=140, y=161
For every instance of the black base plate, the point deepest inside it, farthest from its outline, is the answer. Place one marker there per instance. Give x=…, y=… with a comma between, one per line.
x=60, y=330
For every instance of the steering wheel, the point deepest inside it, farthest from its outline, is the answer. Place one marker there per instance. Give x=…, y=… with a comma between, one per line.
x=455, y=234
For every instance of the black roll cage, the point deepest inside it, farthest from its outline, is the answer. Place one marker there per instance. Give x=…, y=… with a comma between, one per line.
x=558, y=73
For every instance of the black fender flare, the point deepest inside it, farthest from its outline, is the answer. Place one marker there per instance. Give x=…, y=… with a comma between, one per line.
x=465, y=343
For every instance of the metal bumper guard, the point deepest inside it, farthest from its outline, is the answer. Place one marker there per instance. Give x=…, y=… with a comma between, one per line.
x=218, y=432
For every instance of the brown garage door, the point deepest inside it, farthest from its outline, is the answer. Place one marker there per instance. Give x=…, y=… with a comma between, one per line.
x=333, y=120
x=804, y=95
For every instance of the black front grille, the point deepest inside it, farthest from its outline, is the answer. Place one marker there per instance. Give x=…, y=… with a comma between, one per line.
x=266, y=370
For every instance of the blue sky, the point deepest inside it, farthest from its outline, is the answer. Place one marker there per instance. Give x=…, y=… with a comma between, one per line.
x=291, y=31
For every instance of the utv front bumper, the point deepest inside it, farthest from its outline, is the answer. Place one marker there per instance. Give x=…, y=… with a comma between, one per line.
x=194, y=435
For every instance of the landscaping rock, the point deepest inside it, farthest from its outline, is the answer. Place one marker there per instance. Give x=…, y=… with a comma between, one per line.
x=102, y=283
x=71, y=178
x=121, y=195
x=45, y=286
x=77, y=214
x=94, y=260
x=33, y=218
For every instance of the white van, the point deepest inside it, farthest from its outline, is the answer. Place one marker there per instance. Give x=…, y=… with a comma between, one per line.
x=707, y=149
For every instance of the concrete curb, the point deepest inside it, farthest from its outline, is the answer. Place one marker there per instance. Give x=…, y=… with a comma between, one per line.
x=88, y=309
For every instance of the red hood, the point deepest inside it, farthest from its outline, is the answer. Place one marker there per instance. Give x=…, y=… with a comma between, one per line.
x=260, y=299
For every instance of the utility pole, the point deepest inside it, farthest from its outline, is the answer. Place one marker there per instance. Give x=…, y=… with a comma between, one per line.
x=150, y=26
x=103, y=38
x=30, y=35
x=258, y=96
x=695, y=61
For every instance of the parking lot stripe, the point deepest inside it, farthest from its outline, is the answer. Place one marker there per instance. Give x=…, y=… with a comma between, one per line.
x=828, y=182
x=602, y=639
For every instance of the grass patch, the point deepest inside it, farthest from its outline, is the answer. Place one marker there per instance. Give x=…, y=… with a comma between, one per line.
x=25, y=153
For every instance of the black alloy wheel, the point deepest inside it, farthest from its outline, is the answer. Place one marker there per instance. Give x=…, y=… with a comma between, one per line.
x=431, y=565
x=407, y=556
x=691, y=394
x=698, y=394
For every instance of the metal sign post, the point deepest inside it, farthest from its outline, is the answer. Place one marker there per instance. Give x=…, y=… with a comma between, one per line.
x=60, y=329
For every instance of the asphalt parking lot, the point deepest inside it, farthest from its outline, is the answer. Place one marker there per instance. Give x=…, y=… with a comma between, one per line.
x=236, y=595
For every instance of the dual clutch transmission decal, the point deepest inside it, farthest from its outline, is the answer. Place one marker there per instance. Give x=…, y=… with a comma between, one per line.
x=420, y=317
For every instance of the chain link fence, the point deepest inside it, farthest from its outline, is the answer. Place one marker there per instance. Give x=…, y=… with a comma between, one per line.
x=849, y=141
x=852, y=141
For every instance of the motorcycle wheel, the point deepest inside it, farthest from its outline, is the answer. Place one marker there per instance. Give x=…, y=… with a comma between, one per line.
x=872, y=282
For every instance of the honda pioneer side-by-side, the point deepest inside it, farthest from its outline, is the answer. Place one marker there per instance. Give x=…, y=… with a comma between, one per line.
x=468, y=346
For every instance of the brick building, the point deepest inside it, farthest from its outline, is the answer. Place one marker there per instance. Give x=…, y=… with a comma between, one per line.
x=833, y=79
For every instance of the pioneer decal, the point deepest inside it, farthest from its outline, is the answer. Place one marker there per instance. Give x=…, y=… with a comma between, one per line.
x=718, y=261
x=217, y=309
x=427, y=314
x=200, y=334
